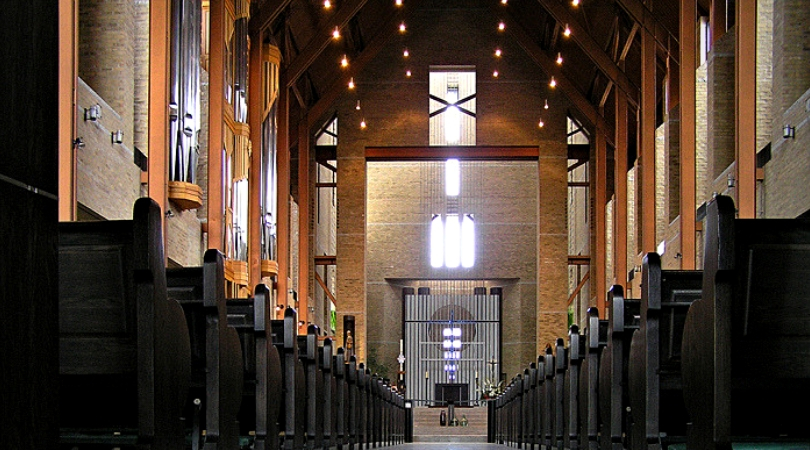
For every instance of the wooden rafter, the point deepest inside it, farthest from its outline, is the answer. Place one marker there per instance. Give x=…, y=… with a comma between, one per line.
x=321, y=39
x=268, y=13
x=326, y=290
x=591, y=48
x=387, y=29
x=585, y=107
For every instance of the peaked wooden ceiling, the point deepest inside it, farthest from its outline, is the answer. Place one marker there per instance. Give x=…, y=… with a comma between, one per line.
x=603, y=54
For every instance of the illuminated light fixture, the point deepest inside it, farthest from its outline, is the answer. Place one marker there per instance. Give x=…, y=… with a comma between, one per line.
x=406, y=53
x=402, y=27
x=552, y=82
x=336, y=33
x=327, y=4
x=574, y=2
x=503, y=2
x=789, y=132
x=351, y=83
x=92, y=113
x=363, y=123
x=545, y=105
x=398, y=2
x=495, y=74
x=117, y=137
x=344, y=62
x=501, y=26
x=559, y=58
x=498, y=52
x=541, y=124
x=566, y=31
x=408, y=73
x=358, y=105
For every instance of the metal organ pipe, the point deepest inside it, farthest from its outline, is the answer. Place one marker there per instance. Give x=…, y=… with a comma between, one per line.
x=185, y=89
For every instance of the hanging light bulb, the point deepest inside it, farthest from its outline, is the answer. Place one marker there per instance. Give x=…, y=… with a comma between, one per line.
x=545, y=106
x=498, y=52
x=327, y=4
x=358, y=105
x=344, y=62
x=406, y=53
x=501, y=26
x=541, y=124
x=567, y=31
x=503, y=2
x=495, y=74
x=402, y=27
x=559, y=59
x=336, y=33
x=363, y=123
x=552, y=83
x=575, y=2
x=398, y=2
x=351, y=83
x=408, y=73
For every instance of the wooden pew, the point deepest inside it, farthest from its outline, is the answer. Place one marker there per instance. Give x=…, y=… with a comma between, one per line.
x=293, y=419
x=342, y=399
x=558, y=397
x=595, y=343
x=308, y=355
x=746, y=346
x=124, y=352
x=613, y=391
x=217, y=363
x=262, y=395
x=656, y=388
x=575, y=355
x=330, y=410
x=547, y=390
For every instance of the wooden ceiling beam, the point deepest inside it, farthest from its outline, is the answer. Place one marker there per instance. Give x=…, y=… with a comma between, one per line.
x=267, y=14
x=582, y=105
x=321, y=40
x=444, y=152
x=644, y=17
x=591, y=48
x=386, y=30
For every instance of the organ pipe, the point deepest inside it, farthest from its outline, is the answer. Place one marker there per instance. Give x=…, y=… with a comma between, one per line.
x=184, y=89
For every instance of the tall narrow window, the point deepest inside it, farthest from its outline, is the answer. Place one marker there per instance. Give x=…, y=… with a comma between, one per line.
x=452, y=242
x=467, y=241
x=436, y=241
x=452, y=178
x=452, y=105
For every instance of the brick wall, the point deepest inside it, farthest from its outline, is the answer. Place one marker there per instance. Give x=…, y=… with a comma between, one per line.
x=107, y=180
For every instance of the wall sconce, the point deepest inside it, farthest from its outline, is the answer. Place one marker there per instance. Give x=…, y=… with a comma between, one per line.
x=731, y=180
x=78, y=143
x=92, y=113
x=789, y=132
x=300, y=323
x=117, y=137
x=279, y=307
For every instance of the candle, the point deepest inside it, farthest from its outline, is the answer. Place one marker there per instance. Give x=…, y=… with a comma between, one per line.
x=426, y=374
x=400, y=346
x=476, y=374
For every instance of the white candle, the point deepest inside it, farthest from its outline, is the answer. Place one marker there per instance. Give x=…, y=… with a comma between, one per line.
x=400, y=346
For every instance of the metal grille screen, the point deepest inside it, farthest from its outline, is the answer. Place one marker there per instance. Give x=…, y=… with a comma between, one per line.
x=452, y=343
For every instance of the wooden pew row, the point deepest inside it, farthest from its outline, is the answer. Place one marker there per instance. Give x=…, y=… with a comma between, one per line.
x=262, y=393
x=124, y=347
x=746, y=345
x=329, y=402
x=656, y=389
x=217, y=368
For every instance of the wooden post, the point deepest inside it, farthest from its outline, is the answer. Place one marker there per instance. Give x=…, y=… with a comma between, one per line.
x=620, y=192
x=159, y=54
x=68, y=20
x=255, y=110
x=745, y=94
x=688, y=65
x=283, y=189
x=216, y=101
x=304, y=221
x=646, y=213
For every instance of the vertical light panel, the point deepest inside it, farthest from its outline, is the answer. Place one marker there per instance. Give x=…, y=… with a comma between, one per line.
x=452, y=241
x=467, y=241
x=452, y=177
x=436, y=242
